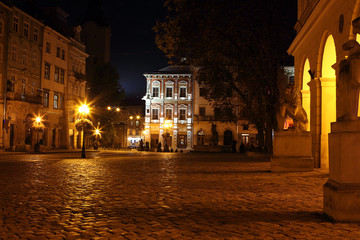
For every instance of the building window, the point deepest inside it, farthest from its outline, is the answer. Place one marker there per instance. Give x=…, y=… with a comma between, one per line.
x=169, y=92
x=26, y=29
x=155, y=91
x=46, y=99
x=61, y=101
x=23, y=87
x=202, y=92
x=2, y=27
x=56, y=76
x=36, y=33
x=16, y=24
x=155, y=114
x=182, y=92
x=182, y=114
x=34, y=61
x=137, y=123
x=202, y=111
x=56, y=100
x=63, y=54
x=24, y=57
x=58, y=52
x=62, y=76
x=47, y=47
x=1, y=52
x=168, y=113
x=14, y=53
x=47, y=71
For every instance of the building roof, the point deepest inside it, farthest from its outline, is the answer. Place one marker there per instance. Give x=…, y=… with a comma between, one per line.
x=174, y=69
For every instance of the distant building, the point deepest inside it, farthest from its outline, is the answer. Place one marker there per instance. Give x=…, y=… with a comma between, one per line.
x=176, y=105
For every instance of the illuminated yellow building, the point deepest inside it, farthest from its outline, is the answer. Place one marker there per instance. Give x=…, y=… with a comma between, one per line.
x=23, y=52
x=323, y=26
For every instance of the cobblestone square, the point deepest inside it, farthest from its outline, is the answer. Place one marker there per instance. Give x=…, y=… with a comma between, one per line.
x=138, y=195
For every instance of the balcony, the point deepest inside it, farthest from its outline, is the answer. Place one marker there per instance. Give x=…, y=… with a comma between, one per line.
x=79, y=76
x=24, y=98
x=204, y=118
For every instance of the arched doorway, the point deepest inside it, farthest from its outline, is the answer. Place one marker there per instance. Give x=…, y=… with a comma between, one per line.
x=228, y=137
x=200, y=137
x=328, y=97
x=305, y=90
x=28, y=131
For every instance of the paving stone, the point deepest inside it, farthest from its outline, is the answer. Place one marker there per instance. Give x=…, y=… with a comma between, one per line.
x=122, y=195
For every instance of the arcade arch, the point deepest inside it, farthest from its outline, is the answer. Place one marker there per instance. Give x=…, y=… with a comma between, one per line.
x=305, y=90
x=328, y=96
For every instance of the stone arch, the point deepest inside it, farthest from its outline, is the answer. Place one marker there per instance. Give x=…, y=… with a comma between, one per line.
x=305, y=89
x=327, y=58
x=228, y=137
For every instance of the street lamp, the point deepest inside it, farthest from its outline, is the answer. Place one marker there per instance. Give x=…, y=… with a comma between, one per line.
x=38, y=126
x=167, y=127
x=83, y=111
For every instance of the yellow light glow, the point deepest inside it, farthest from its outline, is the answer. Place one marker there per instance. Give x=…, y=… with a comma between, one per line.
x=97, y=131
x=137, y=117
x=118, y=109
x=38, y=119
x=84, y=109
x=131, y=117
x=108, y=108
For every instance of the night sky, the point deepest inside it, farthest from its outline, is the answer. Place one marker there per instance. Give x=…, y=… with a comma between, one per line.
x=133, y=49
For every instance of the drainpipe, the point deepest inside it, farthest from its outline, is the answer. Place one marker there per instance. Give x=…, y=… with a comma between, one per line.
x=6, y=48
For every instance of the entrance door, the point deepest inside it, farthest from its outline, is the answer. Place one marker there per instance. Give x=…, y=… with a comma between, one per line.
x=182, y=141
x=11, y=135
x=228, y=137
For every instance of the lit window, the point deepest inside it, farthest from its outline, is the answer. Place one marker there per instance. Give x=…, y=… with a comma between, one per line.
x=36, y=33
x=182, y=92
x=155, y=92
x=46, y=99
x=62, y=76
x=26, y=29
x=16, y=24
x=155, y=114
x=168, y=113
x=56, y=77
x=169, y=92
x=137, y=123
x=182, y=114
x=56, y=100
x=47, y=47
x=47, y=71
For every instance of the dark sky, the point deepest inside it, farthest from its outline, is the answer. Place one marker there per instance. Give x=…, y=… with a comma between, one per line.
x=133, y=49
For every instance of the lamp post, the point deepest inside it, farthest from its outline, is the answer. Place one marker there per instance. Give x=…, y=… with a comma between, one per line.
x=83, y=111
x=38, y=126
x=167, y=127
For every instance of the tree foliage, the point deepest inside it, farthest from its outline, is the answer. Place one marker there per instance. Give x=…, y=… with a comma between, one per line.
x=104, y=85
x=236, y=47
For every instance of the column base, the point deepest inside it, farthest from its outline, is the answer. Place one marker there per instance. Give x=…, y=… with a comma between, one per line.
x=291, y=164
x=342, y=201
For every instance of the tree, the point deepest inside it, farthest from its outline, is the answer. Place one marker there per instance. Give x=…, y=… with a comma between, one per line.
x=236, y=49
x=104, y=85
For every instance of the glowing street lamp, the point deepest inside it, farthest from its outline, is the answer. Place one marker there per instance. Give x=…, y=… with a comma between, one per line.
x=118, y=109
x=131, y=117
x=83, y=111
x=38, y=126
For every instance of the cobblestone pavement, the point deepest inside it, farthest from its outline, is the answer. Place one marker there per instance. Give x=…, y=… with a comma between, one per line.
x=135, y=195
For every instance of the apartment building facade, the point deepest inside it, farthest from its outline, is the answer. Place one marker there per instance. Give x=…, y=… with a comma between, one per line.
x=176, y=109
x=35, y=62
